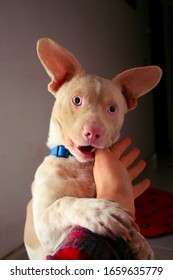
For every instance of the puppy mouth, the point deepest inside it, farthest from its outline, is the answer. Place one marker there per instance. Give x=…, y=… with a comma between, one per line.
x=86, y=152
x=86, y=149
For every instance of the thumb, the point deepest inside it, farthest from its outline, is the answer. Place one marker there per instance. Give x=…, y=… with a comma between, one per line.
x=101, y=154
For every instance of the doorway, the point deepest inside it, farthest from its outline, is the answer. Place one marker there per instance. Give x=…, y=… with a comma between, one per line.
x=161, y=24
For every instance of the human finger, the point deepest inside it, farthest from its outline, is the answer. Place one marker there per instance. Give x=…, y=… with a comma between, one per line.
x=119, y=147
x=139, y=188
x=137, y=169
x=130, y=157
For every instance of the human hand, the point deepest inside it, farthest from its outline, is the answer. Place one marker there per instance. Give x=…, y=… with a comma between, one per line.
x=114, y=174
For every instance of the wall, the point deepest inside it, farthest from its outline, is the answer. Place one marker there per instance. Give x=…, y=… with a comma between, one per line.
x=106, y=36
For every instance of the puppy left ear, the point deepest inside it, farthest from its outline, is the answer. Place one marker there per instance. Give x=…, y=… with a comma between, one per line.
x=137, y=82
x=59, y=63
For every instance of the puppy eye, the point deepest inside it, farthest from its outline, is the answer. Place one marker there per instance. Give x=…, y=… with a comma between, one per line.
x=77, y=100
x=112, y=110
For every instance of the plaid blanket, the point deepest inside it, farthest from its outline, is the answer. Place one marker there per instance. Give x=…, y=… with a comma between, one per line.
x=82, y=244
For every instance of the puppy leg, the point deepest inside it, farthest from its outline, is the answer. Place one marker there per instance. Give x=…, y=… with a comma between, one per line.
x=98, y=215
x=32, y=244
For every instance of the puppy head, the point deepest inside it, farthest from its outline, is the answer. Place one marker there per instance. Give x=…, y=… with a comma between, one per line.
x=89, y=110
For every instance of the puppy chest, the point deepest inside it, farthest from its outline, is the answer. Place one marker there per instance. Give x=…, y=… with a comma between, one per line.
x=75, y=179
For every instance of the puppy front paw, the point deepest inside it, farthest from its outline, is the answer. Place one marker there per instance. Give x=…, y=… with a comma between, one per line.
x=105, y=218
x=140, y=248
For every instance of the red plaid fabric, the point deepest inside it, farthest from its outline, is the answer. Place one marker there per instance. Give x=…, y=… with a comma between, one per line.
x=82, y=244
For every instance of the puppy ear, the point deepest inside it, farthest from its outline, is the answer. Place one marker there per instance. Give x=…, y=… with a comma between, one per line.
x=137, y=82
x=59, y=63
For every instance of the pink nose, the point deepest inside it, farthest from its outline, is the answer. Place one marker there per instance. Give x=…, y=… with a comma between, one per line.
x=92, y=133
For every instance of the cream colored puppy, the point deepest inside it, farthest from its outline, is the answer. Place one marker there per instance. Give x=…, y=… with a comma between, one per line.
x=88, y=114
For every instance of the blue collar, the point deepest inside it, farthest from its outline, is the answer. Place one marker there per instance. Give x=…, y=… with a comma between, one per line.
x=60, y=151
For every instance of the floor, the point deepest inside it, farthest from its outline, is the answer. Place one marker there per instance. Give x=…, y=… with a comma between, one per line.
x=160, y=172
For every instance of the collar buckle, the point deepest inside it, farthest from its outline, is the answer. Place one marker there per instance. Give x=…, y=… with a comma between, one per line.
x=60, y=151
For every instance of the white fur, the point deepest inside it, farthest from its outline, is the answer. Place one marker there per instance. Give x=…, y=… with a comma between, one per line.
x=97, y=86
